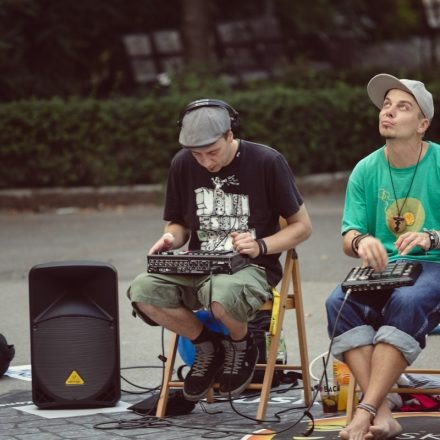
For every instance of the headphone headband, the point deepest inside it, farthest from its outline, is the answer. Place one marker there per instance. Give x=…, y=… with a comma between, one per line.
x=233, y=114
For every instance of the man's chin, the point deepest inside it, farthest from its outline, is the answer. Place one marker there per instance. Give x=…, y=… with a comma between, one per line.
x=387, y=136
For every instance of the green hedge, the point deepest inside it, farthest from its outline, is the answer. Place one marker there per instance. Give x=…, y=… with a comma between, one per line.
x=130, y=141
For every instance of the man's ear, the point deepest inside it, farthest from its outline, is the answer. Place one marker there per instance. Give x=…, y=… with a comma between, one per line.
x=423, y=126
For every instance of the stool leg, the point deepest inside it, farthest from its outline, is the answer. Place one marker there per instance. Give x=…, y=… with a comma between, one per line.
x=301, y=328
x=210, y=395
x=169, y=366
x=268, y=376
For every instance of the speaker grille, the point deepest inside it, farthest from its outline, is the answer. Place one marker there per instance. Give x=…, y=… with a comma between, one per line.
x=68, y=346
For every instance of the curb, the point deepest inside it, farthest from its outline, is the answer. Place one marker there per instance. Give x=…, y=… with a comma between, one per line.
x=43, y=199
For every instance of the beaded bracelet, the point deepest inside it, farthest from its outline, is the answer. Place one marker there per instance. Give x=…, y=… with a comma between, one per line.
x=355, y=242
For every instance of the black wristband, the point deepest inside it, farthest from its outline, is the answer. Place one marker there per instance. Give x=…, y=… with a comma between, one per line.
x=433, y=238
x=262, y=246
x=355, y=242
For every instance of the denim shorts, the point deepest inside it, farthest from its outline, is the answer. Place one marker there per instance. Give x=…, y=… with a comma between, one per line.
x=401, y=317
x=241, y=294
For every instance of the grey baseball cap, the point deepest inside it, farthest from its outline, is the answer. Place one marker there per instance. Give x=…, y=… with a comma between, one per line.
x=379, y=85
x=204, y=126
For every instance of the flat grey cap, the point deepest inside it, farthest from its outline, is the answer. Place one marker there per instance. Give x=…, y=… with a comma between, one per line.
x=204, y=126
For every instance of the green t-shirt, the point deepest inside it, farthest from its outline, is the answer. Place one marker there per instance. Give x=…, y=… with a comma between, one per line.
x=370, y=203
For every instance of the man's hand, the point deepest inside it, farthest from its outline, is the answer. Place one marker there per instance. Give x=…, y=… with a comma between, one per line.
x=244, y=243
x=372, y=253
x=407, y=241
x=164, y=243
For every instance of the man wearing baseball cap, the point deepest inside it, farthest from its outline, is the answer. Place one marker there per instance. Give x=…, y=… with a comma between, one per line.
x=222, y=194
x=392, y=213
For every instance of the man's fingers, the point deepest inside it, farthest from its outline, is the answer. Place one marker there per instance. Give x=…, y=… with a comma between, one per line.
x=409, y=241
x=373, y=254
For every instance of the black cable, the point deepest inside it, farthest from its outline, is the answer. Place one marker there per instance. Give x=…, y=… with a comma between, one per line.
x=157, y=388
x=230, y=398
x=163, y=358
x=306, y=412
x=222, y=240
x=152, y=421
x=146, y=389
x=318, y=387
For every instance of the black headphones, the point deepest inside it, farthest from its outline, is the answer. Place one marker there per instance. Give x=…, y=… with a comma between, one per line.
x=233, y=114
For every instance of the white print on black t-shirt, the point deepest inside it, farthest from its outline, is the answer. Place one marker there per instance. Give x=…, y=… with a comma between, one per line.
x=221, y=213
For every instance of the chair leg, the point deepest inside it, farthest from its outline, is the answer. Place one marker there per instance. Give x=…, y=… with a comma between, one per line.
x=268, y=375
x=291, y=272
x=169, y=366
x=274, y=343
x=210, y=396
x=302, y=339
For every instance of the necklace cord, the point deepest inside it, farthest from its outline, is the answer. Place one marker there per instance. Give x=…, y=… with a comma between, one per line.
x=399, y=210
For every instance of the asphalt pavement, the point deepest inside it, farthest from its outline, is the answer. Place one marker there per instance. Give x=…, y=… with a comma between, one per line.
x=121, y=235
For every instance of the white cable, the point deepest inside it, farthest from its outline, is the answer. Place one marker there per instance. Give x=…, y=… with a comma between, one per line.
x=313, y=361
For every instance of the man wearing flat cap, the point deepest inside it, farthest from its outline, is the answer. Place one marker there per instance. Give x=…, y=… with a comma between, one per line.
x=223, y=194
x=392, y=213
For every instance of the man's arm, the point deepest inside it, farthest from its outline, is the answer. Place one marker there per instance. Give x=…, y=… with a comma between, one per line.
x=298, y=229
x=368, y=248
x=175, y=236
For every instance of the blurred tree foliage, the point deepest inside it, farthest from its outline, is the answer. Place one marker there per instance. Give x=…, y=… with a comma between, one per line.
x=64, y=47
x=334, y=30
x=74, y=48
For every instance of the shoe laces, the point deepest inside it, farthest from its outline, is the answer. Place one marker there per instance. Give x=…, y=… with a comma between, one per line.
x=234, y=357
x=202, y=360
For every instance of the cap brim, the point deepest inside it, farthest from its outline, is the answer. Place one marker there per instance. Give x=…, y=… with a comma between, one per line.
x=379, y=85
x=198, y=144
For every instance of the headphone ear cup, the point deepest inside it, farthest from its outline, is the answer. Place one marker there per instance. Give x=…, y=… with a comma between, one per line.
x=235, y=125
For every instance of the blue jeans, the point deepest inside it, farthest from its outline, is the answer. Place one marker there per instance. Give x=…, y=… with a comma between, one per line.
x=402, y=317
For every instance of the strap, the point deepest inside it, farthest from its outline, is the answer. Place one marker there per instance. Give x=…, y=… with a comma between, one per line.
x=275, y=309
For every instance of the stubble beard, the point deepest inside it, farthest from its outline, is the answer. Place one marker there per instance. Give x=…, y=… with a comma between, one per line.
x=387, y=136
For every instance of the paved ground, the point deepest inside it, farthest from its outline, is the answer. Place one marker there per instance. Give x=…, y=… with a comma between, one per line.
x=121, y=235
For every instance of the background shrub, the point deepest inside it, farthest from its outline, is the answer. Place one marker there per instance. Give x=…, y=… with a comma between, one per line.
x=46, y=143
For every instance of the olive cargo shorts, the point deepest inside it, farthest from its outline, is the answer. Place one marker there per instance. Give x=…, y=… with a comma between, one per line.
x=241, y=294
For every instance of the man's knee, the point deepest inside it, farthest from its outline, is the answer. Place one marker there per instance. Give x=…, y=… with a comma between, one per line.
x=146, y=312
x=220, y=312
x=218, y=309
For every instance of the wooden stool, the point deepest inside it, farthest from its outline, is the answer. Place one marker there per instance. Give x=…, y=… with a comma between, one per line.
x=287, y=301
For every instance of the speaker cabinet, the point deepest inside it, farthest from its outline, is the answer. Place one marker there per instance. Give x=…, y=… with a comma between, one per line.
x=74, y=335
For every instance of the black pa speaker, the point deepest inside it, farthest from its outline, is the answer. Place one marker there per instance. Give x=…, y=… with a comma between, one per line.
x=74, y=334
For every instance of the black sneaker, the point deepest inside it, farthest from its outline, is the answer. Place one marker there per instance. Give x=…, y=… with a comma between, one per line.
x=208, y=361
x=239, y=366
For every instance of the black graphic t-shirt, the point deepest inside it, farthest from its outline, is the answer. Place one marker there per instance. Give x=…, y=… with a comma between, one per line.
x=248, y=195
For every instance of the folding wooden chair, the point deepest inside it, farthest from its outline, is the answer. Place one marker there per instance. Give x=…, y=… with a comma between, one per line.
x=352, y=385
x=287, y=301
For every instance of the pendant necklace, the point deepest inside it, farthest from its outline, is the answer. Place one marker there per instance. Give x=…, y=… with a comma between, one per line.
x=398, y=223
